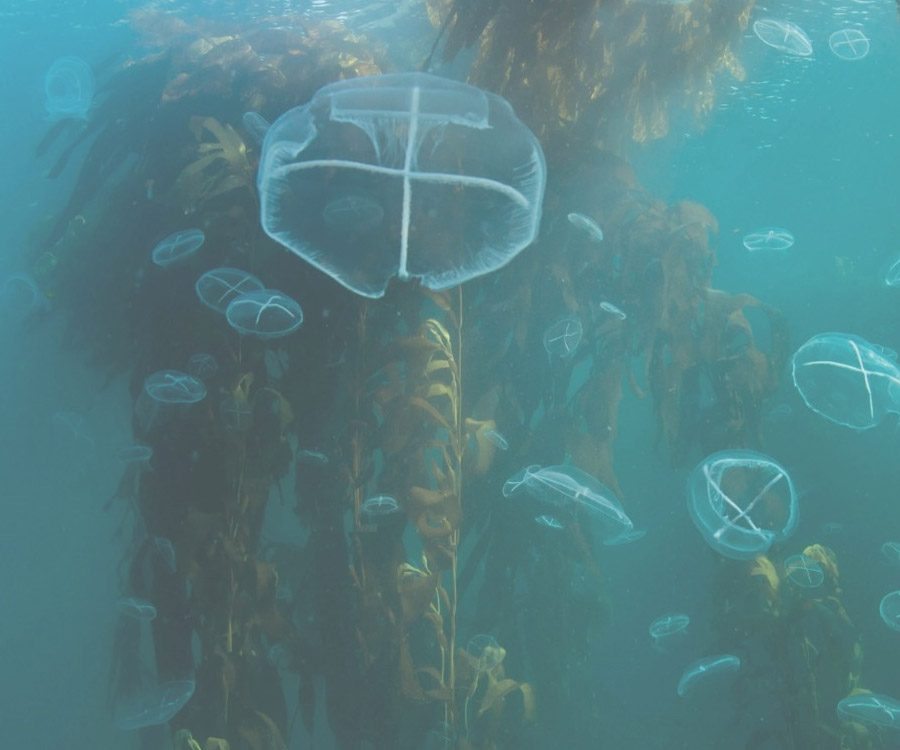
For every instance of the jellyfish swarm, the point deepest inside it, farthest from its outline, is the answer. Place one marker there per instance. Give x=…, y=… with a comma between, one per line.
x=870, y=709
x=889, y=609
x=663, y=628
x=742, y=501
x=705, y=670
x=177, y=247
x=784, y=36
x=847, y=379
x=849, y=44
x=266, y=314
x=69, y=88
x=804, y=572
x=405, y=175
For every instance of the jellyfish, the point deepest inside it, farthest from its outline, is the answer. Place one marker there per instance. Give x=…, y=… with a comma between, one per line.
x=256, y=127
x=380, y=505
x=150, y=707
x=870, y=709
x=769, y=238
x=136, y=608
x=497, y=439
x=174, y=387
x=891, y=551
x=314, y=458
x=20, y=297
x=176, y=247
x=135, y=454
x=849, y=44
x=236, y=413
x=218, y=287
x=889, y=609
x=562, y=338
x=587, y=225
x=706, y=670
x=741, y=502
x=484, y=653
x=438, y=179
x=266, y=314
x=804, y=572
x=549, y=522
x=784, y=36
x=665, y=627
x=610, y=308
x=202, y=366
x=69, y=89
x=164, y=550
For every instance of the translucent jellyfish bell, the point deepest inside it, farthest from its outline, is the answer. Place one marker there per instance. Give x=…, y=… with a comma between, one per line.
x=663, y=628
x=891, y=551
x=69, y=88
x=174, y=387
x=136, y=608
x=562, y=338
x=177, y=247
x=742, y=502
x=847, y=379
x=438, y=179
x=889, y=609
x=849, y=44
x=202, y=366
x=707, y=670
x=870, y=709
x=784, y=36
x=380, y=505
x=769, y=238
x=156, y=705
x=266, y=314
x=804, y=572
x=484, y=653
x=218, y=287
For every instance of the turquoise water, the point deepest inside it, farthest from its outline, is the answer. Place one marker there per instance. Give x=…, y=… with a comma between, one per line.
x=808, y=144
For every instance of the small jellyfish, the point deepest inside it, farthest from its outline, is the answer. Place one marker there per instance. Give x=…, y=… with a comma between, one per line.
x=706, y=670
x=870, y=709
x=313, y=458
x=202, y=366
x=163, y=548
x=484, y=653
x=177, y=247
x=20, y=297
x=892, y=277
x=849, y=44
x=784, y=36
x=889, y=609
x=804, y=572
x=136, y=608
x=380, y=505
x=549, y=522
x=613, y=310
x=173, y=387
x=891, y=551
x=236, y=413
x=562, y=338
x=666, y=626
x=769, y=238
x=218, y=287
x=497, y=439
x=135, y=454
x=266, y=314
x=256, y=126
x=587, y=225
x=69, y=89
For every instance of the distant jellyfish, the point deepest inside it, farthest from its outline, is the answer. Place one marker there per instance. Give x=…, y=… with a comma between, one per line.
x=136, y=608
x=164, y=550
x=138, y=453
x=176, y=247
x=313, y=458
x=610, y=308
x=708, y=670
x=849, y=44
x=218, y=287
x=484, y=653
x=497, y=439
x=870, y=710
x=153, y=706
x=69, y=89
x=256, y=126
x=587, y=225
x=174, y=387
x=665, y=627
x=380, y=505
x=784, y=36
x=803, y=571
x=891, y=552
x=769, y=238
x=202, y=366
x=266, y=314
x=562, y=338
x=550, y=522
x=236, y=414
x=847, y=379
x=741, y=502
x=441, y=178
x=889, y=609
x=892, y=276
x=20, y=297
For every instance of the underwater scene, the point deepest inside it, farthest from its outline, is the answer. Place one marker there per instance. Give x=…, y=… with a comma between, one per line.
x=450, y=374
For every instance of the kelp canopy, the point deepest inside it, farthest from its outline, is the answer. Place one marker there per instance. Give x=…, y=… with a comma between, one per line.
x=368, y=615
